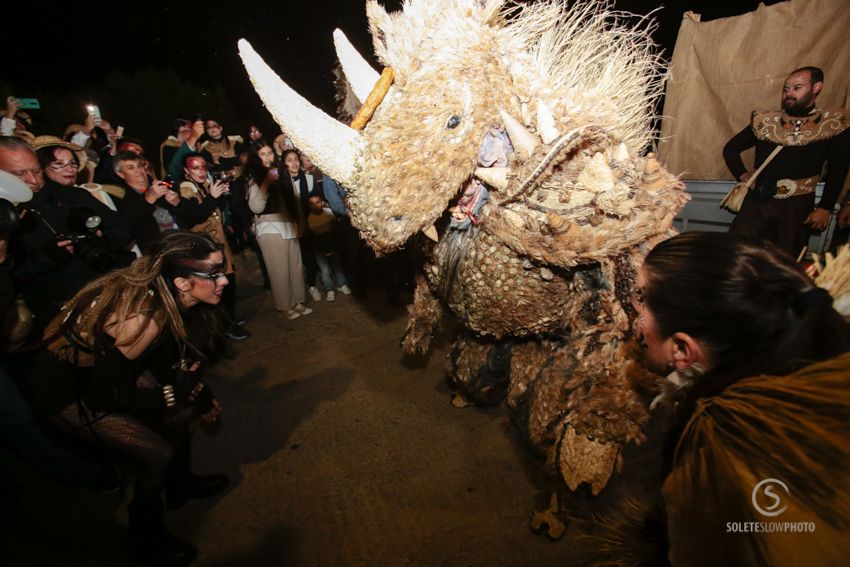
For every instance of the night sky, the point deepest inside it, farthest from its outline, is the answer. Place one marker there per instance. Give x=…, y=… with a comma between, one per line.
x=62, y=46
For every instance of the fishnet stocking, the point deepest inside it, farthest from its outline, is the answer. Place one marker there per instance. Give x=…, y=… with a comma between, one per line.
x=153, y=450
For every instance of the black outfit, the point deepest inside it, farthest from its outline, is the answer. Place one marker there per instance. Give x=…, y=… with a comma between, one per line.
x=216, y=153
x=302, y=209
x=104, y=173
x=781, y=220
x=242, y=219
x=119, y=405
x=19, y=430
x=190, y=212
x=138, y=214
x=47, y=275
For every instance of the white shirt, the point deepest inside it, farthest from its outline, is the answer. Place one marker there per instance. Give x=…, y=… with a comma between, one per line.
x=268, y=224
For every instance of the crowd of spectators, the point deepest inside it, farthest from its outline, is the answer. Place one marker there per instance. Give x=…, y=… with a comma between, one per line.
x=101, y=270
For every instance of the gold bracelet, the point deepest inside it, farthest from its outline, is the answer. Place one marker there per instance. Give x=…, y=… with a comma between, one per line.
x=168, y=394
x=195, y=391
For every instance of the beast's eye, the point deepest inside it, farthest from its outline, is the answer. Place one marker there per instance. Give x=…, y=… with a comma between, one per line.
x=453, y=123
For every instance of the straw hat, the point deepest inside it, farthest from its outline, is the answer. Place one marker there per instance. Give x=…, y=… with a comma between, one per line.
x=72, y=129
x=48, y=141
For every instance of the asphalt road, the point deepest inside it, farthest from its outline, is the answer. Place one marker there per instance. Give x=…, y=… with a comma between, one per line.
x=341, y=451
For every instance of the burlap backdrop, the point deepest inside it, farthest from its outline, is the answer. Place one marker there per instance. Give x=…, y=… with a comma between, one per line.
x=724, y=69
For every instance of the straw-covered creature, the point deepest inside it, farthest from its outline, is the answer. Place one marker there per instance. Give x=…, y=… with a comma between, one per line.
x=516, y=130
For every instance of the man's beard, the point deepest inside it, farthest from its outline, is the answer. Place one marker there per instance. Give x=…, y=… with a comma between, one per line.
x=796, y=107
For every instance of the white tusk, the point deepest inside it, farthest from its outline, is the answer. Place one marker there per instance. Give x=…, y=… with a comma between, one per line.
x=359, y=74
x=621, y=154
x=546, y=126
x=495, y=177
x=331, y=145
x=522, y=140
x=431, y=232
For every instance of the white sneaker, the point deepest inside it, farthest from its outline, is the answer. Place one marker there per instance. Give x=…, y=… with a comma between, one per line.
x=344, y=289
x=315, y=293
x=292, y=314
x=330, y=296
x=303, y=309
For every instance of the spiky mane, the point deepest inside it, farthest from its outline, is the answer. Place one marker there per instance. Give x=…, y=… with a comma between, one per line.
x=585, y=58
x=589, y=48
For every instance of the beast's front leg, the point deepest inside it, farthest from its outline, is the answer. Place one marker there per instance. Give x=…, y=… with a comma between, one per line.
x=424, y=316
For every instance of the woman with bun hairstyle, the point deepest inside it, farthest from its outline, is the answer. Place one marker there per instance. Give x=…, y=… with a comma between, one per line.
x=758, y=386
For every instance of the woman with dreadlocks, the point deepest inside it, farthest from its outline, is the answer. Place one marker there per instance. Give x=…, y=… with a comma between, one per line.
x=758, y=455
x=122, y=369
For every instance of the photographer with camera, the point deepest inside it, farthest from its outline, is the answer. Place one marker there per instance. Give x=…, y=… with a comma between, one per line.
x=105, y=172
x=66, y=237
x=203, y=199
x=123, y=369
x=19, y=430
x=138, y=197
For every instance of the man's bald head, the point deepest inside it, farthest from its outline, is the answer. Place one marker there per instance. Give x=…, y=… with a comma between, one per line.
x=19, y=159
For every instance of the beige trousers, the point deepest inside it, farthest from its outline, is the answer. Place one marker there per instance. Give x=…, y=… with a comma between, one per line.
x=286, y=273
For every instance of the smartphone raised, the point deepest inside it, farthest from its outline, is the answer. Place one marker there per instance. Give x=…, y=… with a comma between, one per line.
x=28, y=103
x=94, y=111
x=119, y=131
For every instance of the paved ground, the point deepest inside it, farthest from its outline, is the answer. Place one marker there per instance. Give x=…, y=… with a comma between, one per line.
x=341, y=450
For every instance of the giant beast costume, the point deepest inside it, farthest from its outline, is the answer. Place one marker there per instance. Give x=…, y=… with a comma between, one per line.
x=526, y=123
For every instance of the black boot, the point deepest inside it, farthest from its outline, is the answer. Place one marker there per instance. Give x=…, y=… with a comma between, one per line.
x=192, y=487
x=149, y=542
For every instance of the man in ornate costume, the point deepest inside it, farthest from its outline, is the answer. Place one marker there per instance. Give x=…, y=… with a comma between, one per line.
x=782, y=199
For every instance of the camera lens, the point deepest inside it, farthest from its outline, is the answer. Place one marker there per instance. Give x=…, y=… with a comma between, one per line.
x=93, y=222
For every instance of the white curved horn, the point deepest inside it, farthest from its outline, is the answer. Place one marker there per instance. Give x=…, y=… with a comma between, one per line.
x=546, y=126
x=431, y=232
x=359, y=74
x=331, y=145
x=522, y=140
x=495, y=177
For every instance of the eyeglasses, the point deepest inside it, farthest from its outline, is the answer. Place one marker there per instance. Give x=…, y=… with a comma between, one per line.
x=212, y=126
x=57, y=165
x=212, y=276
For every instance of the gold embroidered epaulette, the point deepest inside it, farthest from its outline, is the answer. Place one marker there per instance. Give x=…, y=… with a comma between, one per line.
x=189, y=190
x=115, y=190
x=236, y=139
x=786, y=130
x=170, y=142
